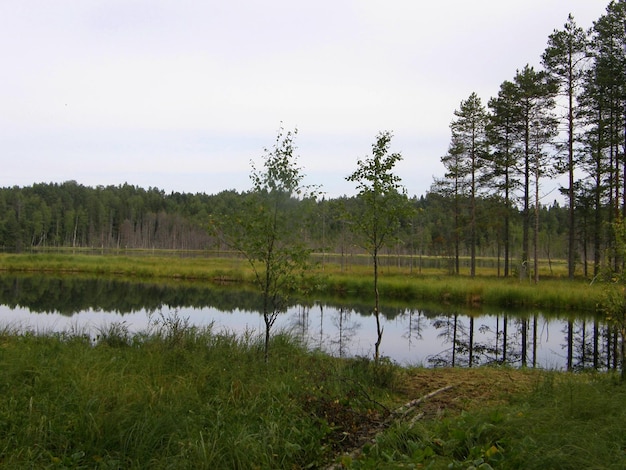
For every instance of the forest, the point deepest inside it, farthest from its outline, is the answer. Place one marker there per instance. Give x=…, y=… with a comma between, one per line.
x=128, y=217
x=566, y=118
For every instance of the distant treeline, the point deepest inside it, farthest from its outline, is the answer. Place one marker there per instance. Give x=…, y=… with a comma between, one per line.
x=130, y=217
x=73, y=215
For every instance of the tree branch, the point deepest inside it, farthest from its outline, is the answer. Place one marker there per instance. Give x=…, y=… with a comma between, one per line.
x=397, y=414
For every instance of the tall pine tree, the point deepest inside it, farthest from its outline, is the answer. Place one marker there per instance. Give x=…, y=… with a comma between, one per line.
x=469, y=140
x=564, y=60
x=502, y=129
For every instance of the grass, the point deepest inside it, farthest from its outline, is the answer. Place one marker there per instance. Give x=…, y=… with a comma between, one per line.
x=176, y=396
x=564, y=421
x=555, y=293
x=143, y=266
x=550, y=293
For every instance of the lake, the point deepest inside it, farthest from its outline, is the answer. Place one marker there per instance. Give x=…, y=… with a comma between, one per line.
x=413, y=335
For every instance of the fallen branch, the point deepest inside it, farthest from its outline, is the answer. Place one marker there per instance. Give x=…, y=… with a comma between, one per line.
x=406, y=408
x=397, y=414
x=415, y=419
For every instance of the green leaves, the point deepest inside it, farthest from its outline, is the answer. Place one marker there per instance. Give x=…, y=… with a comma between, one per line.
x=265, y=227
x=382, y=198
x=280, y=173
x=382, y=205
x=374, y=175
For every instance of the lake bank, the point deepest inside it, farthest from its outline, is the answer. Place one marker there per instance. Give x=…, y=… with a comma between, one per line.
x=187, y=398
x=402, y=284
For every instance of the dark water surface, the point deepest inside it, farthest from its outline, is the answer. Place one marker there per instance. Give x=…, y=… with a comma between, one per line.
x=413, y=335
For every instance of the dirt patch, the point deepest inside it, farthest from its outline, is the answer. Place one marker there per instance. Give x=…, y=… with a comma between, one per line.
x=471, y=388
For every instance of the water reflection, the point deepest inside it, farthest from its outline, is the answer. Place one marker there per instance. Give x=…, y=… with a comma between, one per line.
x=70, y=295
x=412, y=335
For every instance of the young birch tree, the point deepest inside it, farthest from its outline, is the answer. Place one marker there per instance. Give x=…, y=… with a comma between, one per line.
x=382, y=206
x=266, y=229
x=614, y=305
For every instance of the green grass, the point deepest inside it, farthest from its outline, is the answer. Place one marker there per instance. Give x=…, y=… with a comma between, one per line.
x=552, y=293
x=144, y=266
x=179, y=397
x=565, y=422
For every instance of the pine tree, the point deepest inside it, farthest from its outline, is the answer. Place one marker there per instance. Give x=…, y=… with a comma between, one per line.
x=470, y=146
x=536, y=127
x=605, y=102
x=564, y=60
x=454, y=186
x=500, y=174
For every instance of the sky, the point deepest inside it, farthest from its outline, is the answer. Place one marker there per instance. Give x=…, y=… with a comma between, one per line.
x=183, y=95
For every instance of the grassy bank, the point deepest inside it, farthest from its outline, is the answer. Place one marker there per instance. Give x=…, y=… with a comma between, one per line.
x=509, y=420
x=550, y=293
x=140, y=265
x=179, y=397
x=399, y=284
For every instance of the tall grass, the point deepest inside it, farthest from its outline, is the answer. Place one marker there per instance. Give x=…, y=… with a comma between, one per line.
x=174, y=397
x=553, y=294
x=141, y=267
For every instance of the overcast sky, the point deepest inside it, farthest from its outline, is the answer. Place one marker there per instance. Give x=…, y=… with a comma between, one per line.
x=182, y=94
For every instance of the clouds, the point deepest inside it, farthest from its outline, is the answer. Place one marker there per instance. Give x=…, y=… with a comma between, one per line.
x=181, y=95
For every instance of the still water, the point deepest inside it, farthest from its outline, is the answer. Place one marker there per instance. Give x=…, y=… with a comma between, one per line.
x=412, y=335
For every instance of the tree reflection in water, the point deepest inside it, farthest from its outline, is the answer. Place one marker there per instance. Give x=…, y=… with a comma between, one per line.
x=419, y=336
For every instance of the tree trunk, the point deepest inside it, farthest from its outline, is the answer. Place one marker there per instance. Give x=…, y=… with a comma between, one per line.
x=570, y=192
x=379, y=329
x=266, y=350
x=536, y=228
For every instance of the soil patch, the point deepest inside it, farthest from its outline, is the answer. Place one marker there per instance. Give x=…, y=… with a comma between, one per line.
x=471, y=388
